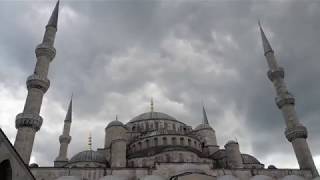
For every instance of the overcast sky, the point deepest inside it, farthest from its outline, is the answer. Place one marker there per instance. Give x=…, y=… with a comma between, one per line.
x=114, y=55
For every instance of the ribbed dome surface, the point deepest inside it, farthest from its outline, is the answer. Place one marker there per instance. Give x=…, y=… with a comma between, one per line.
x=153, y=115
x=88, y=156
x=248, y=159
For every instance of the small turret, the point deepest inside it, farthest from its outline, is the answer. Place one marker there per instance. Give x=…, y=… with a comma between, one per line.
x=208, y=134
x=234, y=159
x=116, y=143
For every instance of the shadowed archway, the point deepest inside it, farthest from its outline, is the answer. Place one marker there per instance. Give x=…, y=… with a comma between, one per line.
x=5, y=170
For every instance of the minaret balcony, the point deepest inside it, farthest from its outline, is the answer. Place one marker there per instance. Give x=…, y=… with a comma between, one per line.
x=35, y=81
x=45, y=50
x=276, y=74
x=296, y=132
x=287, y=99
x=33, y=121
x=65, y=139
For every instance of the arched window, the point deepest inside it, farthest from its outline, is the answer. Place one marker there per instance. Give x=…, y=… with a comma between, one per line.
x=134, y=128
x=191, y=158
x=181, y=157
x=156, y=124
x=174, y=126
x=144, y=163
x=5, y=170
x=182, y=141
x=155, y=141
x=164, y=141
x=174, y=141
x=147, y=143
x=165, y=125
x=189, y=142
x=140, y=145
x=167, y=158
x=133, y=147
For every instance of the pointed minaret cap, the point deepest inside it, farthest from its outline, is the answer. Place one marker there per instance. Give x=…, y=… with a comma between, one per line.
x=205, y=118
x=69, y=113
x=265, y=43
x=53, y=21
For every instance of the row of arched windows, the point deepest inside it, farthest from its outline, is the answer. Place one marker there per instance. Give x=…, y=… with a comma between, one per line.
x=164, y=158
x=152, y=125
x=166, y=140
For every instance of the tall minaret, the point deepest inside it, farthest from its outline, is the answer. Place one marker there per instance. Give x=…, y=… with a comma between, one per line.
x=64, y=139
x=295, y=132
x=29, y=121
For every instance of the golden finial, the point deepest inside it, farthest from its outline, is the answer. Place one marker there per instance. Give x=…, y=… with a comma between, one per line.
x=90, y=141
x=151, y=105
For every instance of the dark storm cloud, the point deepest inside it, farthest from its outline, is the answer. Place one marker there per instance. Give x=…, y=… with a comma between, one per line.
x=115, y=55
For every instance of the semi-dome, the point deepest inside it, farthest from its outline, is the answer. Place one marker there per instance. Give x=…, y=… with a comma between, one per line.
x=152, y=115
x=248, y=159
x=88, y=156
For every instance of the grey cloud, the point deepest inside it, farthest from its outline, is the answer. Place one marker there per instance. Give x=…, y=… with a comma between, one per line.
x=115, y=55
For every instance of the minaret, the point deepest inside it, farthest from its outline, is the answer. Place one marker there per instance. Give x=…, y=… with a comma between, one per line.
x=29, y=121
x=295, y=132
x=64, y=139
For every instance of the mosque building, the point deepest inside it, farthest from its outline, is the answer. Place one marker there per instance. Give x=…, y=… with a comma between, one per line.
x=150, y=146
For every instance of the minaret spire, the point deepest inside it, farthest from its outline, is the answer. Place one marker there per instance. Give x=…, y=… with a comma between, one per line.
x=69, y=112
x=65, y=139
x=268, y=51
x=265, y=43
x=53, y=21
x=295, y=132
x=29, y=121
x=205, y=118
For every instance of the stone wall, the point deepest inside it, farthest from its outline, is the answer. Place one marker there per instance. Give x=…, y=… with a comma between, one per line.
x=165, y=170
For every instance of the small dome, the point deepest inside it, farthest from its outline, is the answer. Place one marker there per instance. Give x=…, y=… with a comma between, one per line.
x=88, y=156
x=231, y=142
x=34, y=165
x=115, y=123
x=153, y=115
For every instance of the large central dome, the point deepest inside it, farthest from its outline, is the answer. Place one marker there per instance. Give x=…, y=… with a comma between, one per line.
x=153, y=115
